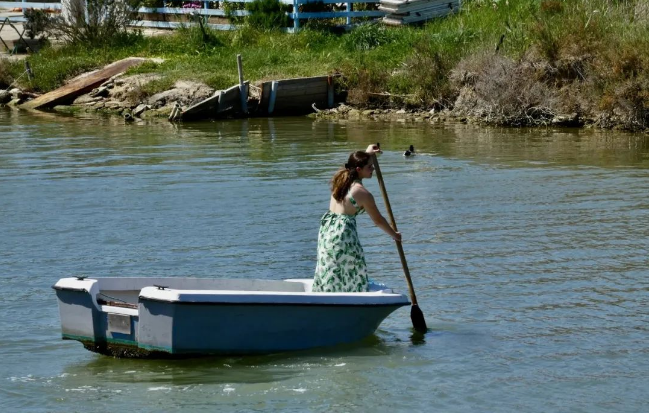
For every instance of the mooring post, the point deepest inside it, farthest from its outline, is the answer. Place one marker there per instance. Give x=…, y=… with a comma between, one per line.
x=274, y=90
x=243, y=86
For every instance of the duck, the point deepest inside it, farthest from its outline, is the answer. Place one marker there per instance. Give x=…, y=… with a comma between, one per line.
x=410, y=151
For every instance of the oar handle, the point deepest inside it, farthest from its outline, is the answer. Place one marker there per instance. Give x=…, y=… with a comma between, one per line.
x=400, y=250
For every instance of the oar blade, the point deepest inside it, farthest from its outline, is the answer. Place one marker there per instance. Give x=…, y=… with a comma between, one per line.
x=417, y=318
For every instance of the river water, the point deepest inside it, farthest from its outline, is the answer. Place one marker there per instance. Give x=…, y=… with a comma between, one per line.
x=528, y=251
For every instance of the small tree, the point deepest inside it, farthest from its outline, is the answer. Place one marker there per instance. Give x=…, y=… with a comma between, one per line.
x=94, y=21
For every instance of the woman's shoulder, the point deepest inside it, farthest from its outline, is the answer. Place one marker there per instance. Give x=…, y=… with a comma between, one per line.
x=358, y=191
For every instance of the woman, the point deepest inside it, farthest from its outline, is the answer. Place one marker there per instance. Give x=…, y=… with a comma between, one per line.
x=341, y=265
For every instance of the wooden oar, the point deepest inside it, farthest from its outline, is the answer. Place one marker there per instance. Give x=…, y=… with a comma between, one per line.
x=417, y=318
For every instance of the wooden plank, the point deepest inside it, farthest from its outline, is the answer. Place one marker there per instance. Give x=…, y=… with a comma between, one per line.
x=296, y=96
x=229, y=100
x=418, y=8
x=303, y=100
x=301, y=81
x=321, y=87
x=299, y=107
x=202, y=109
x=284, y=94
x=218, y=104
x=412, y=17
x=85, y=84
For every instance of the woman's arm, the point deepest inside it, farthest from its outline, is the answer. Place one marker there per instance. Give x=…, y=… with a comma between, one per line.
x=367, y=201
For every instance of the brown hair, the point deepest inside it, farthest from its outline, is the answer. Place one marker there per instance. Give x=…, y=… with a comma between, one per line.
x=345, y=177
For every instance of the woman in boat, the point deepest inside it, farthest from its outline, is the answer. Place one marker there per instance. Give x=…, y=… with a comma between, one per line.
x=341, y=264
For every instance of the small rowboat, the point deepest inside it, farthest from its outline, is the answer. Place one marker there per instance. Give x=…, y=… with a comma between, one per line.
x=163, y=317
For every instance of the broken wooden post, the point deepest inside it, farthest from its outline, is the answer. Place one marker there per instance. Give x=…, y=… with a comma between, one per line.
x=243, y=86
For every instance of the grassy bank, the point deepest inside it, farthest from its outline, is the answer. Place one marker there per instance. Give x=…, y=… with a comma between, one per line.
x=509, y=62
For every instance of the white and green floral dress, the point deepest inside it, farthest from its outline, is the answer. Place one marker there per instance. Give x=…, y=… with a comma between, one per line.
x=341, y=264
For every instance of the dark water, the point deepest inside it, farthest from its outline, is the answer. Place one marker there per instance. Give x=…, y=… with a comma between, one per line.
x=528, y=250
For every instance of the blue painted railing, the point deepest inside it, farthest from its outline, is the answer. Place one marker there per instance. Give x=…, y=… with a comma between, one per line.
x=296, y=15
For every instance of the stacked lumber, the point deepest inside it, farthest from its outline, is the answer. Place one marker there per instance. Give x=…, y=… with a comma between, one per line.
x=402, y=12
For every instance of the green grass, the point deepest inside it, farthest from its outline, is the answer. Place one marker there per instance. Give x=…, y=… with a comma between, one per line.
x=586, y=54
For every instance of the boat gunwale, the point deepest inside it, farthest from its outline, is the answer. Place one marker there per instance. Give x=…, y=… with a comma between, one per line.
x=277, y=303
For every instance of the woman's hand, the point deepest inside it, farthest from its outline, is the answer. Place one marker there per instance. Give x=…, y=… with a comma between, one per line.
x=373, y=149
x=398, y=236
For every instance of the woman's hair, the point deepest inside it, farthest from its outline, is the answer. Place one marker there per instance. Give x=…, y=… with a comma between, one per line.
x=345, y=177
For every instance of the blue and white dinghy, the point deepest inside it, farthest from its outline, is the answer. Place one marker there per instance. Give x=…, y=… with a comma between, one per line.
x=162, y=317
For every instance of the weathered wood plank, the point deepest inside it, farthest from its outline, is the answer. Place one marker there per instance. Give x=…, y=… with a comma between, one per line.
x=302, y=80
x=218, y=104
x=321, y=85
x=230, y=100
x=85, y=84
x=296, y=96
x=202, y=109
x=286, y=94
x=300, y=107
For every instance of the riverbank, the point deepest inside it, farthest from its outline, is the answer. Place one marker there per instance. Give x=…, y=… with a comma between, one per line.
x=513, y=63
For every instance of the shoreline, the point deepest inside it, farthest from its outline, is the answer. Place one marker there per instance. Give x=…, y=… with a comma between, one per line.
x=116, y=98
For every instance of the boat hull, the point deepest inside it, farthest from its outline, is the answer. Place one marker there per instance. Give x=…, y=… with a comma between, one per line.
x=173, y=322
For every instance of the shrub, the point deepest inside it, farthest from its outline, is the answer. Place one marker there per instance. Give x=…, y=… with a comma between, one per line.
x=37, y=22
x=268, y=14
x=106, y=22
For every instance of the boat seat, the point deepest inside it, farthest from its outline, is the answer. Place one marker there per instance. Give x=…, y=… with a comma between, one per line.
x=110, y=309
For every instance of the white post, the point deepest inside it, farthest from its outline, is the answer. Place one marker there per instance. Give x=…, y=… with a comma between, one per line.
x=243, y=86
x=274, y=90
x=296, y=20
x=348, y=8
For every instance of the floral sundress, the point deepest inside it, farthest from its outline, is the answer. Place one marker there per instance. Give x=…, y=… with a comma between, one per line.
x=341, y=264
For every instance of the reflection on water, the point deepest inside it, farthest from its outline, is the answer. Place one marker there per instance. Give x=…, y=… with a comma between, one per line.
x=528, y=250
